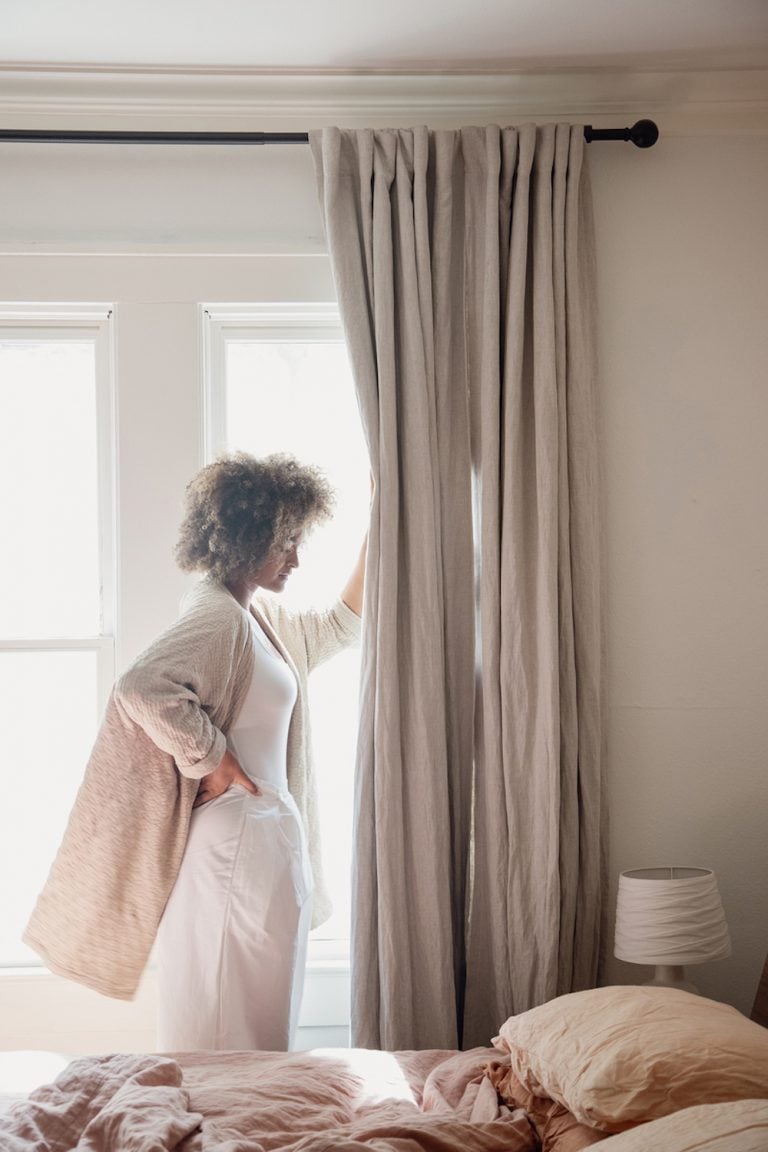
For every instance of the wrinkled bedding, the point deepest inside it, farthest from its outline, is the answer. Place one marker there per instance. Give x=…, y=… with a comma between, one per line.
x=335, y=1100
x=328, y=1099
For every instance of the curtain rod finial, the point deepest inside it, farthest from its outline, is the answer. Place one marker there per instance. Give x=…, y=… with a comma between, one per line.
x=644, y=133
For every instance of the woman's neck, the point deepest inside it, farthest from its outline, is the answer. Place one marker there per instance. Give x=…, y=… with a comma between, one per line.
x=242, y=590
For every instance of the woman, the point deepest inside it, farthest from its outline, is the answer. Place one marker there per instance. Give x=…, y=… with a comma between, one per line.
x=227, y=683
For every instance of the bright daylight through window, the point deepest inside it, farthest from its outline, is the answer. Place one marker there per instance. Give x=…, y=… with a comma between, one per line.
x=280, y=381
x=56, y=649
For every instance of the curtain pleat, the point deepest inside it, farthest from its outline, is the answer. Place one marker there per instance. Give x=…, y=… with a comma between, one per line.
x=464, y=271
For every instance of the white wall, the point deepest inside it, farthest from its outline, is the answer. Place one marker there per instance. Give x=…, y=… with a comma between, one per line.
x=683, y=270
x=129, y=198
x=683, y=267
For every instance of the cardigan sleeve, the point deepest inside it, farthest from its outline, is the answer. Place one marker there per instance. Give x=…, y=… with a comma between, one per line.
x=314, y=635
x=183, y=676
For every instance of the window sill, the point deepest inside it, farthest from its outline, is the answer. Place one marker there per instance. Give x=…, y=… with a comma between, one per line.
x=42, y=1011
x=328, y=956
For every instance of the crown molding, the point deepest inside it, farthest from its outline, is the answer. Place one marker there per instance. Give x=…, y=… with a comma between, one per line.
x=683, y=102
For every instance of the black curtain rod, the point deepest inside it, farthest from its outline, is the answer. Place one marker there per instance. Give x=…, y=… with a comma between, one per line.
x=644, y=134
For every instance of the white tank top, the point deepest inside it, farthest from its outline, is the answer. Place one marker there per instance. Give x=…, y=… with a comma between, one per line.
x=259, y=738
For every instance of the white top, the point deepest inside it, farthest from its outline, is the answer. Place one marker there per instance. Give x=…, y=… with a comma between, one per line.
x=259, y=737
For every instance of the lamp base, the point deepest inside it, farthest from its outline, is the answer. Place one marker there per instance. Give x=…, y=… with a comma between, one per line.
x=672, y=976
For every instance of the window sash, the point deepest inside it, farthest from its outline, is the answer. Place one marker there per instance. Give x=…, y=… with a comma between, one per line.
x=103, y=646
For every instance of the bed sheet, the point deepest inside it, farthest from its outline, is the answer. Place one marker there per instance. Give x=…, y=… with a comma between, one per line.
x=344, y=1100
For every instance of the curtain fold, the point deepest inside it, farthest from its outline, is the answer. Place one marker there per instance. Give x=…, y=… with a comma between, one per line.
x=464, y=271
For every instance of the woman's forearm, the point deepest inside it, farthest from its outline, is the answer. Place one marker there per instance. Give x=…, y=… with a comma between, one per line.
x=352, y=592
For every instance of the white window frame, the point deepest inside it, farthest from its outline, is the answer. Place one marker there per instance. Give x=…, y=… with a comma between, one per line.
x=76, y=323
x=92, y=322
x=278, y=323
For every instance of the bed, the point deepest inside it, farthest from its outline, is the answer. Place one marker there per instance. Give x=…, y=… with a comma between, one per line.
x=632, y=1069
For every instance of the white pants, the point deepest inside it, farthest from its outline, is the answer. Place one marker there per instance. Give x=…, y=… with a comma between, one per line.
x=232, y=943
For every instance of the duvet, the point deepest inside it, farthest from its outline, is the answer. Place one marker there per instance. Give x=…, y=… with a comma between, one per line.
x=327, y=1100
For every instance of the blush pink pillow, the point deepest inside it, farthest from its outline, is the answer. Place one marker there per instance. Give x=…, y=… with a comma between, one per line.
x=621, y=1056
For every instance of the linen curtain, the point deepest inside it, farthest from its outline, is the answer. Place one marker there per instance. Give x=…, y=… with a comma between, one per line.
x=463, y=263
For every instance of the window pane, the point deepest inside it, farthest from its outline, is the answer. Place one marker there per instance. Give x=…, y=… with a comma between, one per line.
x=49, y=583
x=300, y=398
x=50, y=717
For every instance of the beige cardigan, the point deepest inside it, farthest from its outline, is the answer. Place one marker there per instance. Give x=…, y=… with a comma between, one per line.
x=164, y=727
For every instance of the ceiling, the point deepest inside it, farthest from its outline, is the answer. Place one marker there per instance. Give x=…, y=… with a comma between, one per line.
x=384, y=35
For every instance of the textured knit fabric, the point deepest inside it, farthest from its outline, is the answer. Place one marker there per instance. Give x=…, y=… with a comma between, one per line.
x=164, y=727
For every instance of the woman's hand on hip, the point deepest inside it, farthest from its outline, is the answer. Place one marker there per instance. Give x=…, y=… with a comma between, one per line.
x=217, y=782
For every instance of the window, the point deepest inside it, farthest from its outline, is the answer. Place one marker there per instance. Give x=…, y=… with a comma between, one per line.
x=56, y=581
x=278, y=380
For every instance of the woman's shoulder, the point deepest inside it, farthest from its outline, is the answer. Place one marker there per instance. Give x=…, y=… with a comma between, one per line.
x=211, y=631
x=209, y=619
x=208, y=598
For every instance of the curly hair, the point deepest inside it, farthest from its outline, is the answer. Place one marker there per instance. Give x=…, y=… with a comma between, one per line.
x=240, y=509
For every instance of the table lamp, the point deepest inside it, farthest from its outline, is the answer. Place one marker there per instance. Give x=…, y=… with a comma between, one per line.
x=670, y=917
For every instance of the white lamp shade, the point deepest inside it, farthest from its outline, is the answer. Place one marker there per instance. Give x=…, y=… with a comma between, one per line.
x=670, y=916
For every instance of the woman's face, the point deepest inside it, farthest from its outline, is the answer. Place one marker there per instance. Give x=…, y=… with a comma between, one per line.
x=274, y=572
